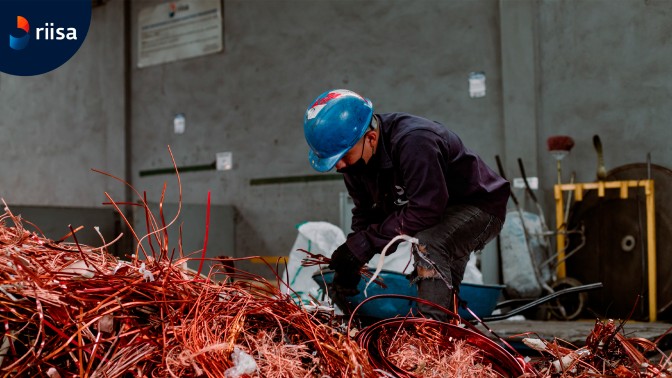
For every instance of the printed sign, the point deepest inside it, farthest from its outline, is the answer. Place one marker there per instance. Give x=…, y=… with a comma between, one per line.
x=179, y=30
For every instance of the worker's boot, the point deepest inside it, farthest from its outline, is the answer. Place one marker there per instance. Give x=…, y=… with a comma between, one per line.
x=435, y=290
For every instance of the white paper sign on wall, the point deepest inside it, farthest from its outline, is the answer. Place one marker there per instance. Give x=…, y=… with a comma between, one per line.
x=178, y=30
x=224, y=161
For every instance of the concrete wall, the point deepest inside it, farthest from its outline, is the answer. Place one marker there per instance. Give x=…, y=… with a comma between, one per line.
x=604, y=69
x=553, y=67
x=57, y=126
x=279, y=55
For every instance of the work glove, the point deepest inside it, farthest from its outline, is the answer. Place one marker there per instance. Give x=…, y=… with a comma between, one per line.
x=346, y=271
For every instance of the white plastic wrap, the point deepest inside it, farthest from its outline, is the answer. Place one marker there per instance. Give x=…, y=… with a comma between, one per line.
x=472, y=274
x=315, y=237
x=243, y=364
x=323, y=238
x=517, y=264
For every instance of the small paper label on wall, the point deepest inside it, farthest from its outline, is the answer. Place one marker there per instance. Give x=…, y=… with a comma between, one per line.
x=519, y=183
x=179, y=123
x=224, y=161
x=477, y=84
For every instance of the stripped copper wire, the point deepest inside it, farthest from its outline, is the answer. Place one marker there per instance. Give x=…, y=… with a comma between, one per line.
x=68, y=309
x=607, y=353
x=314, y=259
x=76, y=310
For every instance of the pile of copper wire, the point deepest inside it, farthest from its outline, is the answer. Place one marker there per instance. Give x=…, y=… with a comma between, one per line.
x=419, y=347
x=412, y=353
x=68, y=309
x=607, y=353
x=71, y=310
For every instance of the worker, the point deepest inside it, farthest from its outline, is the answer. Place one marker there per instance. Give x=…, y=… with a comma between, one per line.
x=406, y=175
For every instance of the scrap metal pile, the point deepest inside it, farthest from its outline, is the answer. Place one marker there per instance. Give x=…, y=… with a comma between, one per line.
x=71, y=310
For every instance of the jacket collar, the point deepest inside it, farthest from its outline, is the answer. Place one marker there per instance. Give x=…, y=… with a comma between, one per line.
x=383, y=157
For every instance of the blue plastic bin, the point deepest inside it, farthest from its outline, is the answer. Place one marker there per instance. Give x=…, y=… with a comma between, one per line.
x=481, y=299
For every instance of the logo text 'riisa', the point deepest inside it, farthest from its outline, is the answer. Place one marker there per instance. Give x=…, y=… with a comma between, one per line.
x=51, y=33
x=42, y=35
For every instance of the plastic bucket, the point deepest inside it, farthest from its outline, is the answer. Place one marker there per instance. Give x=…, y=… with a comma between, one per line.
x=481, y=299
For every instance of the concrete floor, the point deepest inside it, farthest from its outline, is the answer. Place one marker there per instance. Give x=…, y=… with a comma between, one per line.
x=574, y=332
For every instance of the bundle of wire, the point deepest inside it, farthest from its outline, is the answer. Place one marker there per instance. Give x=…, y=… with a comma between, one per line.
x=72, y=310
x=419, y=347
x=69, y=309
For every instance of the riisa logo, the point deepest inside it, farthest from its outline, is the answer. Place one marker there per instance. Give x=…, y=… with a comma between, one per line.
x=20, y=43
x=43, y=34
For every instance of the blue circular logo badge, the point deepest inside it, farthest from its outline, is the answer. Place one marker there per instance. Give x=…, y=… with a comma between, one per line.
x=38, y=36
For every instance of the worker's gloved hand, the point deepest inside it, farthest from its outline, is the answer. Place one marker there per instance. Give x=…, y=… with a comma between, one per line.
x=346, y=271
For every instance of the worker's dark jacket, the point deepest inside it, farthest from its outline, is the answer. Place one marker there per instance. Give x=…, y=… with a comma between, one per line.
x=419, y=168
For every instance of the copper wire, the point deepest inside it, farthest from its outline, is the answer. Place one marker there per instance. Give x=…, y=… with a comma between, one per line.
x=76, y=310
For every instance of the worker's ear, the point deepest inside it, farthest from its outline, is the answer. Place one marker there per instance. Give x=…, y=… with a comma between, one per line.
x=371, y=137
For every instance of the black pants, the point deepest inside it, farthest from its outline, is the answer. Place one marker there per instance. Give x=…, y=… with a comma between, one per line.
x=444, y=252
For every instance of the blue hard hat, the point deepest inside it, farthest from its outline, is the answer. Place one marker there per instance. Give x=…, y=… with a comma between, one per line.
x=335, y=121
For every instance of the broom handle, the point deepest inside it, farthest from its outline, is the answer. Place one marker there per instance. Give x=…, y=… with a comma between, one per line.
x=501, y=173
x=569, y=198
x=527, y=184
